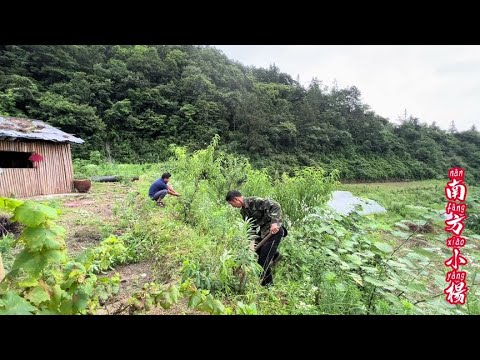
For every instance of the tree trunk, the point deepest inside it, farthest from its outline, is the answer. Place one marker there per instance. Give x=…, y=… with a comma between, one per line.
x=111, y=178
x=106, y=178
x=109, y=155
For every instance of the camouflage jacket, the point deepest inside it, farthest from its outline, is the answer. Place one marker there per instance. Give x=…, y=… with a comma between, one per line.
x=263, y=212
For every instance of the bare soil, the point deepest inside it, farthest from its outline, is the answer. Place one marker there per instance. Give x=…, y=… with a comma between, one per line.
x=88, y=218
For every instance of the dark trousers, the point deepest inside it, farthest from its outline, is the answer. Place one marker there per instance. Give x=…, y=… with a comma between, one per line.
x=266, y=254
x=159, y=195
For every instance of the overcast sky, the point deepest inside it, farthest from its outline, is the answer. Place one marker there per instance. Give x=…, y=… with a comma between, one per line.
x=437, y=83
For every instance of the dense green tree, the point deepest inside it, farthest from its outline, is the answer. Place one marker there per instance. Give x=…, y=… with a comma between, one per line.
x=130, y=102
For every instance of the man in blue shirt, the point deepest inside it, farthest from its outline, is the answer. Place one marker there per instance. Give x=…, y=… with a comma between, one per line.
x=160, y=188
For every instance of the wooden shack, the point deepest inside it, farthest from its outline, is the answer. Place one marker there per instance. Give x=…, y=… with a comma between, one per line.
x=35, y=158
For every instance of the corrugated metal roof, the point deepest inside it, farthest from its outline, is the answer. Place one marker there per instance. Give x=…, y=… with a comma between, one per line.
x=18, y=128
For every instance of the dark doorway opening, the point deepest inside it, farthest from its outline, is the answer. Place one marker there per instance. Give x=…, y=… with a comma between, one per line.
x=15, y=159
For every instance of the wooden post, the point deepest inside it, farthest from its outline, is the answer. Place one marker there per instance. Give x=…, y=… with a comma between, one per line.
x=2, y=270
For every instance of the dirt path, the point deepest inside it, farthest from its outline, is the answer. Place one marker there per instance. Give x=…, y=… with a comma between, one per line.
x=88, y=219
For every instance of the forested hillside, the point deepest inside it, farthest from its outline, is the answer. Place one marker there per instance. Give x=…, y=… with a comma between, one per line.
x=131, y=102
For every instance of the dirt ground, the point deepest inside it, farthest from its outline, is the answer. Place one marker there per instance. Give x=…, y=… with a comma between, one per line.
x=133, y=277
x=88, y=218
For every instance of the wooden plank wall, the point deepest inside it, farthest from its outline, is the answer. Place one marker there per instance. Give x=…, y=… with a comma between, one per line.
x=54, y=175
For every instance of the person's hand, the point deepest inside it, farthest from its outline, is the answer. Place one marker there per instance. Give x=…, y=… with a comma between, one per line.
x=252, y=245
x=274, y=228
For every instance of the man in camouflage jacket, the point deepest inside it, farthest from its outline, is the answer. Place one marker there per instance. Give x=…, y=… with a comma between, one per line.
x=266, y=215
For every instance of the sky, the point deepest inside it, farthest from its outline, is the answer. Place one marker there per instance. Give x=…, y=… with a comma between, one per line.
x=437, y=83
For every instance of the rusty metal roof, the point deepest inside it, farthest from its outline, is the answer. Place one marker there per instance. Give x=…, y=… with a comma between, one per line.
x=19, y=128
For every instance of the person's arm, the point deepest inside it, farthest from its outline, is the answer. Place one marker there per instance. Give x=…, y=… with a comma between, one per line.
x=171, y=191
x=274, y=210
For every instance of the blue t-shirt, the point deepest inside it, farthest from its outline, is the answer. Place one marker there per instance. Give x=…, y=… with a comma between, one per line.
x=158, y=185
